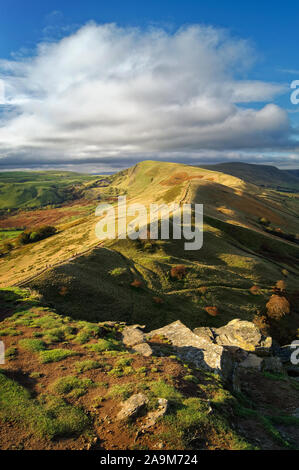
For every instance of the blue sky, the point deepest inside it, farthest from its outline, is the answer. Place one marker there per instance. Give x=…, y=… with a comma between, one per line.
x=270, y=32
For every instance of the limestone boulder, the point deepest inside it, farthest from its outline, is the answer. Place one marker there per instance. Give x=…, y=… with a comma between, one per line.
x=132, y=406
x=199, y=350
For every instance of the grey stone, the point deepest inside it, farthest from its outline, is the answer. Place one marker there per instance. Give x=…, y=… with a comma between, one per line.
x=197, y=349
x=252, y=362
x=243, y=334
x=132, y=406
x=273, y=364
x=132, y=335
x=144, y=349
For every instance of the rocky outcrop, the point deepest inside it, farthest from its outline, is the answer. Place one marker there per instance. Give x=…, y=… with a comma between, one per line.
x=199, y=350
x=132, y=335
x=238, y=333
x=132, y=406
x=134, y=338
x=144, y=349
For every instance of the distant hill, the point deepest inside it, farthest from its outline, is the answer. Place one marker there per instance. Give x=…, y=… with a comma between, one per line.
x=32, y=189
x=261, y=175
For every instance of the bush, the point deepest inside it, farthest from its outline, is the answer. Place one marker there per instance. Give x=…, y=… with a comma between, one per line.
x=213, y=311
x=136, y=283
x=255, y=290
x=32, y=236
x=280, y=286
x=277, y=307
x=178, y=272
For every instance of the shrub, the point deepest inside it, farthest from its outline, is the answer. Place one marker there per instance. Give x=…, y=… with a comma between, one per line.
x=191, y=378
x=213, y=311
x=40, y=233
x=261, y=322
x=116, y=272
x=255, y=290
x=280, y=286
x=178, y=272
x=277, y=307
x=136, y=283
x=203, y=290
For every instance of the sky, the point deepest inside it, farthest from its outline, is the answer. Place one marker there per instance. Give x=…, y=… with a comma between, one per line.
x=98, y=86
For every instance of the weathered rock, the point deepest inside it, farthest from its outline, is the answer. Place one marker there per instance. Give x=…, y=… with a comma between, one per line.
x=273, y=364
x=132, y=335
x=252, y=362
x=243, y=334
x=205, y=332
x=144, y=349
x=152, y=417
x=132, y=406
x=198, y=350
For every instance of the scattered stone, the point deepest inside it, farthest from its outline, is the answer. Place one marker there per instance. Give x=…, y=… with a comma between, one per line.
x=243, y=334
x=252, y=362
x=197, y=349
x=132, y=406
x=132, y=335
x=152, y=417
x=273, y=364
x=144, y=349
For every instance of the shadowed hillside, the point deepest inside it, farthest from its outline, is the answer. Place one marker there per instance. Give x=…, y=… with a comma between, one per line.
x=261, y=175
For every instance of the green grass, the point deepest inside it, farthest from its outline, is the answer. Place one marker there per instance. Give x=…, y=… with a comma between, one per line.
x=11, y=353
x=104, y=345
x=121, y=391
x=32, y=190
x=55, y=355
x=10, y=332
x=32, y=345
x=88, y=364
x=50, y=418
x=66, y=385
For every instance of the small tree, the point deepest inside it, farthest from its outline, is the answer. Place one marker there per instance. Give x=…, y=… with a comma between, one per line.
x=277, y=307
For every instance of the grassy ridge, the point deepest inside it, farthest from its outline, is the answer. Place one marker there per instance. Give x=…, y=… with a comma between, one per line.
x=23, y=190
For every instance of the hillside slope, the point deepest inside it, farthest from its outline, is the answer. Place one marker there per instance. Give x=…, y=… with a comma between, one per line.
x=261, y=175
x=79, y=276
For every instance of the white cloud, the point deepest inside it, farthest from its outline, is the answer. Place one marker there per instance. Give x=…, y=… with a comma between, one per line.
x=110, y=92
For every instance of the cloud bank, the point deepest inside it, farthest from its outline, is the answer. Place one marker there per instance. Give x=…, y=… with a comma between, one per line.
x=112, y=96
